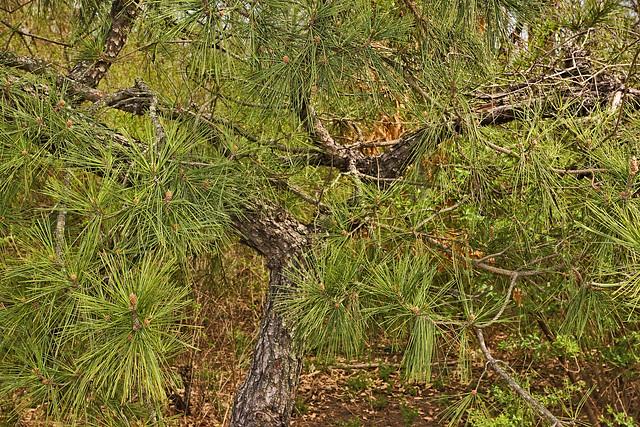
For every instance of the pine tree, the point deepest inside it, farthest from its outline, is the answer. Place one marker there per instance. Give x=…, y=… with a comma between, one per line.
x=429, y=172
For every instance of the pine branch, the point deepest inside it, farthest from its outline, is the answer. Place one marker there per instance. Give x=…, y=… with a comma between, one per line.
x=514, y=279
x=25, y=63
x=440, y=212
x=131, y=100
x=388, y=166
x=497, y=254
x=579, y=172
x=486, y=267
x=39, y=66
x=161, y=137
x=17, y=8
x=555, y=422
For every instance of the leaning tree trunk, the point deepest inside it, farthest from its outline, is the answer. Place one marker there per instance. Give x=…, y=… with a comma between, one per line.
x=267, y=395
x=90, y=72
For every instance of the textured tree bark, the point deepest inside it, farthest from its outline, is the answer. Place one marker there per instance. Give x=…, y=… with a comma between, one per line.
x=123, y=14
x=267, y=396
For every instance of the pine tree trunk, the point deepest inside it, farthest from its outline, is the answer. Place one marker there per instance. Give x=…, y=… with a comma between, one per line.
x=267, y=396
x=90, y=72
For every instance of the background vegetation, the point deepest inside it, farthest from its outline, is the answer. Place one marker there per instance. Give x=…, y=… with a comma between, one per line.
x=422, y=179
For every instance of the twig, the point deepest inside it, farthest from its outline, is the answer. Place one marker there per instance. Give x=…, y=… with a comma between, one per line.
x=211, y=120
x=421, y=21
x=606, y=285
x=33, y=36
x=360, y=138
x=579, y=171
x=555, y=422
x=17, y=8
x=514, y=279
x=560, y=46
x=495, y=255
x=441, y=211
x=412, y=83
x=502, y=150
x=556, y=170
x=353, y=171
x=121, y=57
x=60, y=223
x=483, y=266
x=540, y=259
x=298, y=192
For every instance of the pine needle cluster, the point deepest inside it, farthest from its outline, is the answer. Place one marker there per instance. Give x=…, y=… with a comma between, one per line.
x=513, y=202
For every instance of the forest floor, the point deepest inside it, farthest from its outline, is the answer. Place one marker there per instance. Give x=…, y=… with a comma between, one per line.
x=356, y=394
x=332, y=392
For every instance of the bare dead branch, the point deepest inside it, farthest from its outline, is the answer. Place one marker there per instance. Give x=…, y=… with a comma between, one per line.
x=555, y=422
x=33, y=36
x=514, y=279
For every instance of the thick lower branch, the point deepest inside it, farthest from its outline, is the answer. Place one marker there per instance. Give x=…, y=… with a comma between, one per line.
x=333, y=154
